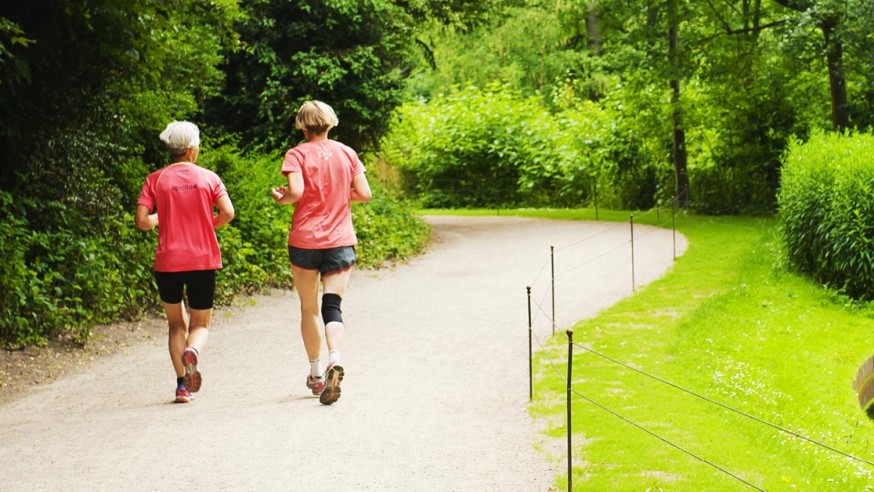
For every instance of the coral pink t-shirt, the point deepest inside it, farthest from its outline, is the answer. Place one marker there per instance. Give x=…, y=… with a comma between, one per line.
x=322, y=217
x=184, y=195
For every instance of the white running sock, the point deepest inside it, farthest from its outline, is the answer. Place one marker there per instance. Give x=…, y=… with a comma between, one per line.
x=334, y=357
x=316, y=368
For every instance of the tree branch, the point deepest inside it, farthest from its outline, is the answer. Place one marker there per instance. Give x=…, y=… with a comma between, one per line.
x=799, y=5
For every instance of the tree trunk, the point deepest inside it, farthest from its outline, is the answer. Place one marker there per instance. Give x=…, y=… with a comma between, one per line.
x=834, y=53
x=593, y=28
x=681, y=172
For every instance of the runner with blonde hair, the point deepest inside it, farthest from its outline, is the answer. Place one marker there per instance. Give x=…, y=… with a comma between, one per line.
x=323, y=178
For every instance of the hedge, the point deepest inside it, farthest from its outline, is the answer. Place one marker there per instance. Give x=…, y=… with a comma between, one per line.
x=826, y=205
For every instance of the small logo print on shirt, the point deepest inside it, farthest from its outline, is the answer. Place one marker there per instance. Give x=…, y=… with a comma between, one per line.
x=325, y=154
x=184, y=187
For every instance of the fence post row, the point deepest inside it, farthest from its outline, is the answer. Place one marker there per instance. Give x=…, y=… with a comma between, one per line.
x=570, y=334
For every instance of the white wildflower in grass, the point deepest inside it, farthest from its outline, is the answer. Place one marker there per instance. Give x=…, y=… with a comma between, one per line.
x=735, y=379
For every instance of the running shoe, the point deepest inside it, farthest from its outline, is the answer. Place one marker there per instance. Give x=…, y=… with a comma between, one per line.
x=192, y=378
x=183, y=395
x=331, y=393
x=316, y=385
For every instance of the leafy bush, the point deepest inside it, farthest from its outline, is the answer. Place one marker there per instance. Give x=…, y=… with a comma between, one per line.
x=64, y=276
x=494, y=148
x=465, y=148
x=747, y=143
x=69, y=277
x=723, y=190
x=386, y=228
x=253, y=246
x=827, y=206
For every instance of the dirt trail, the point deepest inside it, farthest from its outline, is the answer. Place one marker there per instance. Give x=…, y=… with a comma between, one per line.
x=435, y=396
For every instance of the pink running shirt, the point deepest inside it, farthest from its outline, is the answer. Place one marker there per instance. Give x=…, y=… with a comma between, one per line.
x=322, y=217
x=184, y=195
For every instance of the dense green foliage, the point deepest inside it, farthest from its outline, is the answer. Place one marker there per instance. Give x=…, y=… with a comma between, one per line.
x=468, y=149
x=70, y=276
x=827, y=208
x=349, y=53
x=85, y=88
x=751, y=76
x=493, y=148
x=81, y=103
x=82, y=273
x=354, y=54
x=586, y=107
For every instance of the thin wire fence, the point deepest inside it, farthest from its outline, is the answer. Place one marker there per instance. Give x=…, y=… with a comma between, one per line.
x=537, y=309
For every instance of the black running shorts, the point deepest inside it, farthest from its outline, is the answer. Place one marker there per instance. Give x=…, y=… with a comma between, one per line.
x=324, y=260
x=198, y=285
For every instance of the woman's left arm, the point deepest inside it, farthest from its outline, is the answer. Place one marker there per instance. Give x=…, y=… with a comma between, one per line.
x=360, y=189
x=144, y=220
x=226, y=212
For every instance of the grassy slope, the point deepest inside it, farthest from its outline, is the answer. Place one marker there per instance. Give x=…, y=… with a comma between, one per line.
x=727, y=322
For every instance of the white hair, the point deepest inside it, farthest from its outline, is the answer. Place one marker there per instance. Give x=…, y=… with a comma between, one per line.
x=181, y=136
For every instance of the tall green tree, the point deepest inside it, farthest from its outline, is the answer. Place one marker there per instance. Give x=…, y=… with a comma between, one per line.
x=643, y=42
x=846, y=31
x=82, y=101
x=554, y=46
x=828, y=17
x=678, y=150
x=354, y=55
x=85, y=87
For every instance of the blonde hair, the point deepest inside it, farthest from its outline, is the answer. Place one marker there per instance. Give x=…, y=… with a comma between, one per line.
x=179, y=136
x=315, y=116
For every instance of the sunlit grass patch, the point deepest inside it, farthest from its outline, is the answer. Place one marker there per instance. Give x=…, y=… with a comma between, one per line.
x=729, y=324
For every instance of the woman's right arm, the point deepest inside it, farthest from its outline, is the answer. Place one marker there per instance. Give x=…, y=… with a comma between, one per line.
x=287, y=195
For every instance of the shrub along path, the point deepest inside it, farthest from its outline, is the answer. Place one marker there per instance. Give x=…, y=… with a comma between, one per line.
x=435, y=395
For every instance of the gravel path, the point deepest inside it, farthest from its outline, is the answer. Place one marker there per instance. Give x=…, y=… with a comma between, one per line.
x=435, y=396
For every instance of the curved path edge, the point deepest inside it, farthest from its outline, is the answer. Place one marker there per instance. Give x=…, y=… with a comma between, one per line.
x=435, y=396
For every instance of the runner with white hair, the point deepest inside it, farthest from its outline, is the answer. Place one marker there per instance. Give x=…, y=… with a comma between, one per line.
x=183, y=198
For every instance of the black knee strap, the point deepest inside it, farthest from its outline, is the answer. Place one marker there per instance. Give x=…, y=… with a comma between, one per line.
x=331, y=308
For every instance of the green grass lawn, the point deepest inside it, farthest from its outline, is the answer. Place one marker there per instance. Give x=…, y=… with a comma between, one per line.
x=730, y=323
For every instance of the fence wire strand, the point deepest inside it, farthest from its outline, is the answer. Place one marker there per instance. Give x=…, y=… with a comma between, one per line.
x=543, y=349
x=592, y=259
x=587, y=238
x=723, y=405
x=542, y=269
x=625, y=419
x=664, y=440
x=540, y=309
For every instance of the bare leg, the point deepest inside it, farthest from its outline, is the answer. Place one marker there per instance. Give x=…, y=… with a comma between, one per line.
x=306, y=282
x=177, y=322
x=198, y=330
x=335, y=283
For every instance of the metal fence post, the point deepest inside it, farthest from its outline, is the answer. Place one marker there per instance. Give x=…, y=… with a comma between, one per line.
x=570, y=365
x=530, y=352
x=552, y=265
x=674, y=224
x=631, y=221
